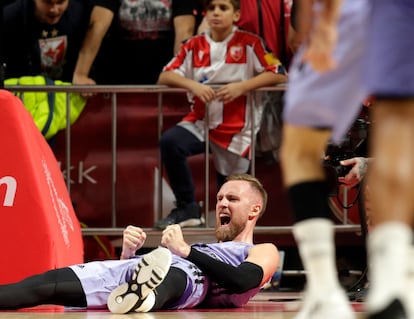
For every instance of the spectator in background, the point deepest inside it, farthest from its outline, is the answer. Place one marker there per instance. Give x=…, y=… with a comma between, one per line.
x=235, y=59
x=99, y=24
x=144, y=36
x=270, y=20
x=44, y=37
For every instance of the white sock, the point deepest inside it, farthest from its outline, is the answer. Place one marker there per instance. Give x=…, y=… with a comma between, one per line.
x=388, y=247
x=315, y=239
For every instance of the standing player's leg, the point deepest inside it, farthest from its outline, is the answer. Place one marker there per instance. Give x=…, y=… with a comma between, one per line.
x=314, y=233
x=320, y=107
x=391, y=81
x=392, y=203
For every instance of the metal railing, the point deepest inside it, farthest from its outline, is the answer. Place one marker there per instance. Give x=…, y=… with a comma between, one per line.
x=160, y=90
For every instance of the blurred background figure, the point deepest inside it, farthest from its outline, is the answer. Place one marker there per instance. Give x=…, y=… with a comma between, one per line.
x=270, y=19
x=44, y=37
x=143, y=37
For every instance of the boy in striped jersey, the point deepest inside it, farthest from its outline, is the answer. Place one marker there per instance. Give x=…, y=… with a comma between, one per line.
x=234, y=61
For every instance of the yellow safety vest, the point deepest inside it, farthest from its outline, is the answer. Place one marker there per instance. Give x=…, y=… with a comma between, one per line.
x=48, y=109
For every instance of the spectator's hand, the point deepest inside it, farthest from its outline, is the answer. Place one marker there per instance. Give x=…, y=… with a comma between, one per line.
x=172, y=238
x=357, y=172
x=204, y=92
x=134, y=238
x=83, y=80
x=230, y=91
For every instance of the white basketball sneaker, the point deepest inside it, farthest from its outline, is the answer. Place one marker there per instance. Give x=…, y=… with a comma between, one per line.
x=137, y=295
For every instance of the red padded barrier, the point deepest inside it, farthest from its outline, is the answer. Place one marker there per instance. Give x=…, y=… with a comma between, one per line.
x=39, y=229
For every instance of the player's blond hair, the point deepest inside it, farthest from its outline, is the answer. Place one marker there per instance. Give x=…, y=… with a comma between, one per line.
x=254, y=183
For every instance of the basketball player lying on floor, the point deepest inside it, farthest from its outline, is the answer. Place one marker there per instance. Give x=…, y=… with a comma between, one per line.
x=175, y=275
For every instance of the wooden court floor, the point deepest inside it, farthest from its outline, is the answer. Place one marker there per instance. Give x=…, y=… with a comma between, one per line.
x=264, y=306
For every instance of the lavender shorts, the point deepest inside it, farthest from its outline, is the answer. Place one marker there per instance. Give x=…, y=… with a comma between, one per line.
x=389, y=64
x=331, y=100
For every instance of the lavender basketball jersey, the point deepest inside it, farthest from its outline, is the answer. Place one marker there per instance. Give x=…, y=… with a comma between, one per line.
x=232, y=253
x=99, y=278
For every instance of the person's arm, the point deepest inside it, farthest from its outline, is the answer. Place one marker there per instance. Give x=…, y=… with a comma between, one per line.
x=258, y=268
x=100, y=21
x=300, y=23
x=295, y=39
x=203, y=26
x=357, y=172
x=173, y=79
x=238, y=279
x=267, y=257
x=184, y=28
x=231, y=91
x=304, y=18
x=133, y=239
x=255, y=271
x=184, y=21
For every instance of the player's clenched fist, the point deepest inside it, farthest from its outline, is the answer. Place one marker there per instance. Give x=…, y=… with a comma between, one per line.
x=133, y=239
x=172, y=238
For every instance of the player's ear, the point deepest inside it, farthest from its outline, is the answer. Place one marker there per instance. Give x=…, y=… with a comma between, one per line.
x=255, y=211
x=236, y=16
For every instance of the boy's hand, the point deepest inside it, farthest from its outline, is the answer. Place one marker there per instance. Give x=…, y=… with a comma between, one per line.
x=204, y=92
x=230, y=91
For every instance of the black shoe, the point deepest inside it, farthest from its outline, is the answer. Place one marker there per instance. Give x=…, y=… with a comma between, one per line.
x=186, y=215
x=395, y=310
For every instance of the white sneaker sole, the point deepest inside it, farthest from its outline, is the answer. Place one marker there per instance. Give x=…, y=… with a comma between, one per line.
x=192, y=222
x=149, y=273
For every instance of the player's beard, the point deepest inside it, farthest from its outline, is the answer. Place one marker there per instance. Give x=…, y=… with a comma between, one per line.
x=228, y=232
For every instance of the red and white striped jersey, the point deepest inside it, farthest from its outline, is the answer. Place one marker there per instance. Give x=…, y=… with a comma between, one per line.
x=239, y=57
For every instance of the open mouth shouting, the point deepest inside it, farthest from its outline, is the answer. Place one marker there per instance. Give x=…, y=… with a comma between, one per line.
x=224, y=219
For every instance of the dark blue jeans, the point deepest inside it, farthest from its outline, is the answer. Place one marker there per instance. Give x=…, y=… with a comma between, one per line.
x=176, y=145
